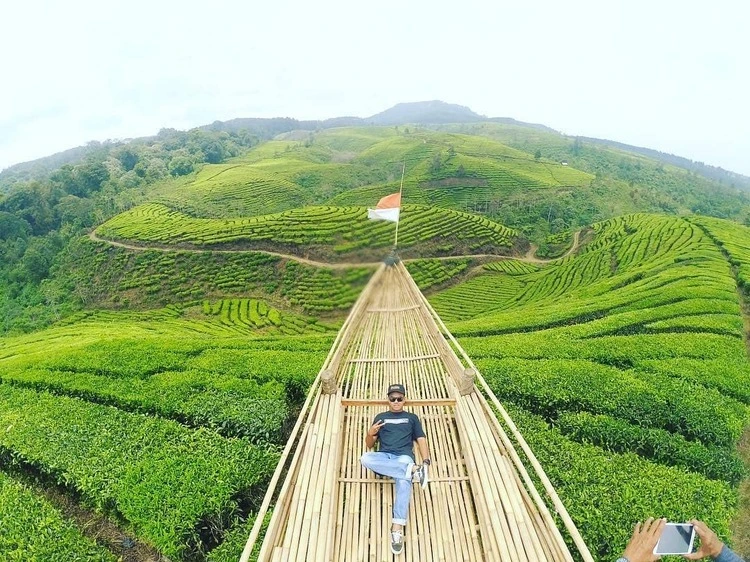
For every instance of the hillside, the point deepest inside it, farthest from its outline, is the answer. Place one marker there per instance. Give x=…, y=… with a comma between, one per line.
x=160, y=330
x=413, y=113
x=626, y=359
x=355, y=165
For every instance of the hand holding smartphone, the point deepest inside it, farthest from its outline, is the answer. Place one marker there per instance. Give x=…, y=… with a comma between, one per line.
x=676, y=538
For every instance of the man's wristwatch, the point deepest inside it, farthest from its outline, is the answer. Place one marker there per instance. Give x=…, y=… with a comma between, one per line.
x=622, y=559
x=428, y=462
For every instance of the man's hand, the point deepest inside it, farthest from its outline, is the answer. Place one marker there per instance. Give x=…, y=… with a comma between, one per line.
x=710, y=543
x=375, y=428
x=644, y=539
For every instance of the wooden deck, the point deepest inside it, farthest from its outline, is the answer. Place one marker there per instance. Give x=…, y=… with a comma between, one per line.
x=480, y=503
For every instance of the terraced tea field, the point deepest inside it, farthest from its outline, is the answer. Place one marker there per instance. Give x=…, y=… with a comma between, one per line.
x=164, y=402
x=342, y=230
x=168, y=429
x=223, y=190
x=118, y=278
x=632, y=347
x=354, y=166
x=624, y=365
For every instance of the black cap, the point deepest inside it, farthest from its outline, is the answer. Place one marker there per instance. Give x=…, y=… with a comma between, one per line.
x=396, y=388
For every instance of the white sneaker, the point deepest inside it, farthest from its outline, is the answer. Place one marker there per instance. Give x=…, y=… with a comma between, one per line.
x=423, y=476
x=420, y=475
x=397, y=542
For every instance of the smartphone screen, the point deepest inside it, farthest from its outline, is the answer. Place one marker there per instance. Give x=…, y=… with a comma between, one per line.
x=677, y=538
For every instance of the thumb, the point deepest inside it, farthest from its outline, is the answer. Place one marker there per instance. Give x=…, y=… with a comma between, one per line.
x=694, y=555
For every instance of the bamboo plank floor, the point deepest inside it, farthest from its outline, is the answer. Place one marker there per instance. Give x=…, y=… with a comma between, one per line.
x=480, y=504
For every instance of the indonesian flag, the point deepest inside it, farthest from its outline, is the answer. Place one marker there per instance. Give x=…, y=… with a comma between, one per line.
x=388, y=209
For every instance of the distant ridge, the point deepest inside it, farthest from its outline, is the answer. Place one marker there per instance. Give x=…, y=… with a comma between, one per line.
x=712, y=172
x=438, y=112
x=434, y=112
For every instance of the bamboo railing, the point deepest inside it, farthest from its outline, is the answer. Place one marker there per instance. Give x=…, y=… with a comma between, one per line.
x=481, y=503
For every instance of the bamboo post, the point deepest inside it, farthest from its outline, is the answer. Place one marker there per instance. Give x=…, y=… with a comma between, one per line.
x=328, y=382
x=466, y=384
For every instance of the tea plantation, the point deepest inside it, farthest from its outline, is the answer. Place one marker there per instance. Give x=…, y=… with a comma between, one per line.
x=169, y=430
x=629, y=367
x=345, y=230
x=164, y=399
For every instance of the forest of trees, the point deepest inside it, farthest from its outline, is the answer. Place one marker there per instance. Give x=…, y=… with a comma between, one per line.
x=44, y=207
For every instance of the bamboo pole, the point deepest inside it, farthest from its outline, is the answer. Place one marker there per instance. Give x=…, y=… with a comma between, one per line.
x=407, y=403
x=400, y=192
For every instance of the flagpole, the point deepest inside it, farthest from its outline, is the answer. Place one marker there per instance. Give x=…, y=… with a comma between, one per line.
x=401, y=189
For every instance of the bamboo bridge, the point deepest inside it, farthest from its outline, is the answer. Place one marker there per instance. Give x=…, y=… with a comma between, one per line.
x=481, y=503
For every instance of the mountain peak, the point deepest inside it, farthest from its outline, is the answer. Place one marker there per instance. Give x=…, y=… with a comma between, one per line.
x=434, y=111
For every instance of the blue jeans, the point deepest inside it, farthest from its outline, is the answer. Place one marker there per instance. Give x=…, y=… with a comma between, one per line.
x=399, y=468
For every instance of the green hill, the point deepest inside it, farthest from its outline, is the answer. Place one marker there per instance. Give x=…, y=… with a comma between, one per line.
x=316, y=231
x=163, y=365
x=633, y=346
x=342, y=165
x=650, y=181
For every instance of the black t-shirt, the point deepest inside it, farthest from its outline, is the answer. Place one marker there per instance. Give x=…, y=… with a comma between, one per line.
x=400, y=431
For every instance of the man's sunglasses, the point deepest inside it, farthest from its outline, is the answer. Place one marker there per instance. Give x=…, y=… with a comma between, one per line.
x=395, y=398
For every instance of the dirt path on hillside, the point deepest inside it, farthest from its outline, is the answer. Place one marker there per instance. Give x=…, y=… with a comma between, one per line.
x=529, y=257
x=159, y=248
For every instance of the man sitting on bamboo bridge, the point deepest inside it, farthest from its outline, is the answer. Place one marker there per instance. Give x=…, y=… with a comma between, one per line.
x=396, y=431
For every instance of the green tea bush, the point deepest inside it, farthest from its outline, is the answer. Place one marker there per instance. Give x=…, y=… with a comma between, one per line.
x=730, y=376
x=666, y=448
x=165, y=480
x=732, y=238
x=33, y=530
x=233, y=407
x=511, y=267
x=607, y=493
x=427, y=273
x=549, y=387
x=346, y=229
x=103, y=273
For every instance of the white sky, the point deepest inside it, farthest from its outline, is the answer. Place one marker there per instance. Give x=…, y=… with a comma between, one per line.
x=669, y=75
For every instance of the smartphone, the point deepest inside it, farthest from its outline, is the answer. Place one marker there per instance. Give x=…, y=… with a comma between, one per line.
x=677, y=538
